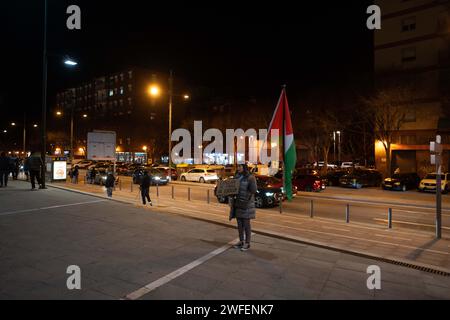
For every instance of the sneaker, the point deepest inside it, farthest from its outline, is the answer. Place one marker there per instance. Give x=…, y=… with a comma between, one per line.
x=238, y=245
x=245, y=247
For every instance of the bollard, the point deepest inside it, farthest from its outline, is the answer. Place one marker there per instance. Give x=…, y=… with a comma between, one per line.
x=347, y=213
x=157, y=190
x=173, y=192
x=131, y=186
x=390, y=218
x=311, y=213
x=207, y=196
x=189, y=194
x=120, y=185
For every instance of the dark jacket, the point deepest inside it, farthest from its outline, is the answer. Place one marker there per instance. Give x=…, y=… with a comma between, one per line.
x=5, y=164
x=146, y=181
x=244, y=202
x=34, y=163
x=110, y=181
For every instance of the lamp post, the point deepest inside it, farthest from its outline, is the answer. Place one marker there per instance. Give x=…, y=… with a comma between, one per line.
x=67, y=62
x=339, y=146
x=154, y=91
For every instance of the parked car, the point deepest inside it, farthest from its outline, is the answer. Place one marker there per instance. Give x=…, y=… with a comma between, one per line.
x=275, y=182
x=308, y=182
x=200, y=175
x=361, y=178
x=83, y=164
x=101, y=175
x=332, y=177
x=320, y=164
x=429, y=183
x=401, y=182
x=267, y=195
x=158, y=177
x=173, y=172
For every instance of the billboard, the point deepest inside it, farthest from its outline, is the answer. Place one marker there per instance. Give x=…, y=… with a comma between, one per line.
x=101, y=145
x=59, y=170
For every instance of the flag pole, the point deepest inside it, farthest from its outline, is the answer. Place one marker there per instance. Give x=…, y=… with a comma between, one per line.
x=283, y=137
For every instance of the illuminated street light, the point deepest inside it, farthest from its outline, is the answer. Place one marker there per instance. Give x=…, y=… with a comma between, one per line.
x=154, y=91
x=85, y=115
x=5, y=131
x=144, y=148
x=69, y=62
x=35, y=125
x=186, y=97
x=13, y=124
x=58, y=113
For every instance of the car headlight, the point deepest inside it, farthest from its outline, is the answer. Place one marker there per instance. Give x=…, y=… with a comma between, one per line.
x=157, y=178
x=104, y=178
x=269, y=194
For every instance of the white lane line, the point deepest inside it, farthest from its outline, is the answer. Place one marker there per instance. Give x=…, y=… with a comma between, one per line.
x=162, y=281
x=48, y=208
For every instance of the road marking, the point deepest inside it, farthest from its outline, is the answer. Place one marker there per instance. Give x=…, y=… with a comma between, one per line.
x=51, y=207
x=171, y=276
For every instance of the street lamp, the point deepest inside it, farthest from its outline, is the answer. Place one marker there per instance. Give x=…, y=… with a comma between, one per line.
x=339, y=146
x=154, y=91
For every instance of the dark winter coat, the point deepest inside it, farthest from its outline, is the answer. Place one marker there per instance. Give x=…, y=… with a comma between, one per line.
x=34, y=163
x=243, y=205
x=5, y=164
x=146, y=181
x=110, y=181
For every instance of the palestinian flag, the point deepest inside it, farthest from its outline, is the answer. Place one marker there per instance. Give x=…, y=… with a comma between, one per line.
x=282, y=116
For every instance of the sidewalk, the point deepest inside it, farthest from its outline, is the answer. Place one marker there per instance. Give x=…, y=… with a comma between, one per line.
x=401, y=246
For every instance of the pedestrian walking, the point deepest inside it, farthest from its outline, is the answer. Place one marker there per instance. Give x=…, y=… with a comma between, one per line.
x=5, y=167
x=15, y=168
x=92, y=174
x=145, y=188
x=109, y=184
x=75, y=174
x=243, y=206
x=34, y=165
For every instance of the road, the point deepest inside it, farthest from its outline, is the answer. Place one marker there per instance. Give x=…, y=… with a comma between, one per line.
x=122, y=248
x=410, y=209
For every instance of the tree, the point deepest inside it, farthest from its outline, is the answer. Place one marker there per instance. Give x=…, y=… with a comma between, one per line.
x=387, y=110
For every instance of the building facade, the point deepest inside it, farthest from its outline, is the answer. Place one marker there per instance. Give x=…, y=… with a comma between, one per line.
x=119, y=102
x=413, y=48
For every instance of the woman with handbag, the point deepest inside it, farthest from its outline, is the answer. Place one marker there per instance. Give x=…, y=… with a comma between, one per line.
x=243, y=206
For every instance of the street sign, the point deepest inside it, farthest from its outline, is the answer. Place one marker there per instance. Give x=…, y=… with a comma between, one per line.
x=101, y=145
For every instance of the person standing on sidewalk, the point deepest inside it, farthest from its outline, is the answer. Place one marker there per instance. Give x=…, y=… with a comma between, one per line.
x=109, y=184
x=243, y=206
x=34, y=164
x=5, y=167
x=145, y=188
x=75, y=174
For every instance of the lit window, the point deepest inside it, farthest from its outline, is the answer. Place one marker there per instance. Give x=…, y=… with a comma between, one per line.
x=111, y=92
x=121, y=90
x=130, y=87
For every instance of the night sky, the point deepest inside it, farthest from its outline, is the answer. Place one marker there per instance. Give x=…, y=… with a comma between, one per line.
x=236, y=50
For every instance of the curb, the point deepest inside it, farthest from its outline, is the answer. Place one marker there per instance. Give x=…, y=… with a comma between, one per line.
x=388, y=259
